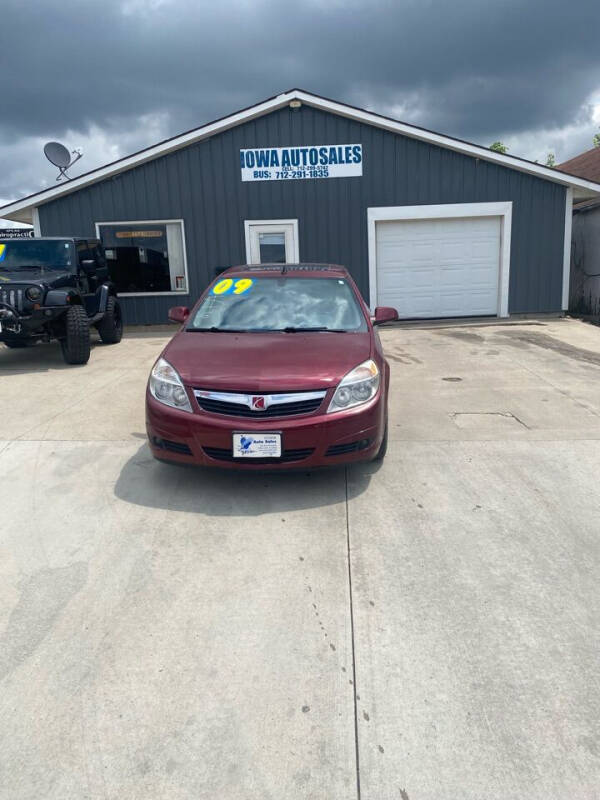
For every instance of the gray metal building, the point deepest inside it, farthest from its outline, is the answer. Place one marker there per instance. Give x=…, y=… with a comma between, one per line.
x=585, y=259
x=432, y=225
x=585, y=245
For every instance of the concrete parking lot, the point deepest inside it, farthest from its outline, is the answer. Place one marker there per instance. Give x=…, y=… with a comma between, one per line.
x=426, y=630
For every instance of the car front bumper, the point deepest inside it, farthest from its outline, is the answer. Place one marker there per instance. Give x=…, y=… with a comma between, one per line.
x=14, y=324
x=314, y=440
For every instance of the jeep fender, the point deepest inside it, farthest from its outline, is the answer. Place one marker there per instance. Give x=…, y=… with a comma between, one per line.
x=62, y=297
x=106, y=290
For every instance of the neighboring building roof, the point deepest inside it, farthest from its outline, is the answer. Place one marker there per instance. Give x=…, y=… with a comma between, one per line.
x=25, y=210
x=586, y=165
x=587, y=205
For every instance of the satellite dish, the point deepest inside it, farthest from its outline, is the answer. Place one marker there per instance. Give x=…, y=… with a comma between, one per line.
x=57, y=154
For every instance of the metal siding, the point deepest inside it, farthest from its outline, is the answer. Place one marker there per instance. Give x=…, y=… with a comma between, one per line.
x=554, y=212
x=201, y=184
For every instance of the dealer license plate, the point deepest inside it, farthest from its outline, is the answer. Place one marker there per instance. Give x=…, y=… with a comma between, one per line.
x=256, y=445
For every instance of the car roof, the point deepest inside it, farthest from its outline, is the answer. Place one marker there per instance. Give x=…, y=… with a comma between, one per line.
x=315, y=270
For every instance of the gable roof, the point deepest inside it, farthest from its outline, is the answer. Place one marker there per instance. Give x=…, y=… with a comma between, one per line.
x=23, y=210
x=585, y=165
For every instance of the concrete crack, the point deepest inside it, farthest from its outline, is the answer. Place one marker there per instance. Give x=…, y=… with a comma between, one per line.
x=354, y=683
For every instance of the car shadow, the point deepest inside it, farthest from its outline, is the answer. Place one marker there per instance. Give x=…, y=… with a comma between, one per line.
x=216, y=492
x=40, y=357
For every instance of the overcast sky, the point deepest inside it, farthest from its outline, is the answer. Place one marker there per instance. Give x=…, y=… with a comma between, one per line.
x=112, y=76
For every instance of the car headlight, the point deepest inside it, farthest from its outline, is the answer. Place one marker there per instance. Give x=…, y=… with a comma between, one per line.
x=356, y=388
x=166, y=386
x=34, y=293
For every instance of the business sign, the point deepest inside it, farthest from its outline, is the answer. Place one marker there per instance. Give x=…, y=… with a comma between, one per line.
x=16, y=233
x=138, y=234
x=297, y=163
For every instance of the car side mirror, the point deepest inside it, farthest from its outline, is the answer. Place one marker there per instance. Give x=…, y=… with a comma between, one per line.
x=88, y=265
x=178, y=314
x=384, y=314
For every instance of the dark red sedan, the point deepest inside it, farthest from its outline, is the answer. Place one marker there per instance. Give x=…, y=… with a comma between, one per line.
x=275, y=365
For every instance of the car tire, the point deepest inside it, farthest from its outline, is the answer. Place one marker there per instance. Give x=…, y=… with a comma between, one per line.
x=110, y=326
x=383, y=447
x=76, y=342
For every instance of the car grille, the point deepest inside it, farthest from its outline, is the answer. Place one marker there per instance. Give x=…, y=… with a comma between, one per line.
x=224, y=454
x=238, y=405
x=13, y=297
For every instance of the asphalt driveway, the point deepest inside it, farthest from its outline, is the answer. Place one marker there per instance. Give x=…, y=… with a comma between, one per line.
x=426, y=630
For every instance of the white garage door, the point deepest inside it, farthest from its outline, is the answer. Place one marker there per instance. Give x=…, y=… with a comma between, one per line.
x=439, y=267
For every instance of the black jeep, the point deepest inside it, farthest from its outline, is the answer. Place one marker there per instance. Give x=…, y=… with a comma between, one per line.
x=55, y=288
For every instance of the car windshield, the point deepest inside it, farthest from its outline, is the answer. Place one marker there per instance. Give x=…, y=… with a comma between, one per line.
x=49, y=254
x=279, y=304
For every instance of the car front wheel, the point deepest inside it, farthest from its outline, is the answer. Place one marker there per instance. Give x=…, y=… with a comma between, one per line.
x=76, y=341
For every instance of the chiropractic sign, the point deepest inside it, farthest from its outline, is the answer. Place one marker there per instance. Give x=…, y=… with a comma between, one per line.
x=293, y=163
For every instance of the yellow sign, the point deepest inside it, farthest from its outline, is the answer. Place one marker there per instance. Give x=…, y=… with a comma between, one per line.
x=137, y=234
x=229, y=286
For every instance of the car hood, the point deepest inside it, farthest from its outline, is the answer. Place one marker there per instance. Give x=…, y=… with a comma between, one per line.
x=266, y=362
x=50, y=278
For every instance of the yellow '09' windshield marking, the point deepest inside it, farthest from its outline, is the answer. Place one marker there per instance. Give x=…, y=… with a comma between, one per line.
x=229, y=286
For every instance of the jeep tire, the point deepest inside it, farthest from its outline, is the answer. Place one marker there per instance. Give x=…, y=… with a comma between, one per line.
x=110, y=326
x=76, y=341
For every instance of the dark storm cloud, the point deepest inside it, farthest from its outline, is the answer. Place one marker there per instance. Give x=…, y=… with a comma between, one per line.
x=466, y=68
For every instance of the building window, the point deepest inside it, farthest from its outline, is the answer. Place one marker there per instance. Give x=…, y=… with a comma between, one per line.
x=271, y=241
x=271, y=248
x=145, y=257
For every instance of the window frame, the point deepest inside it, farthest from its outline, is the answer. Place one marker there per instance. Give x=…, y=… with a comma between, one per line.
x=272, y=226
x=179, y=292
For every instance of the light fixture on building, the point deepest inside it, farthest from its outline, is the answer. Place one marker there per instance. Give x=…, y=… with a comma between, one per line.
x=295, y=104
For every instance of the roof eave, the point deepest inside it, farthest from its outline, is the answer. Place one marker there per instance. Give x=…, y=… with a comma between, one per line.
x=30, y=202
x=21, y=210
x=25, y=215
x=458, y=145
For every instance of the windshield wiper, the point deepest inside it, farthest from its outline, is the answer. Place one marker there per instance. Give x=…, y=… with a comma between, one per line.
x=294, y=329
x=214, y=329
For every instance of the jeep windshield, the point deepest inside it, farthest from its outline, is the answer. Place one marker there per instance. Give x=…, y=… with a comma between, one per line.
x=285, y=304
x=38, y=254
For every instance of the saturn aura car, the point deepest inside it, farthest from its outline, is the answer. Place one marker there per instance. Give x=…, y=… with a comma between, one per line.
x=276, y=365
